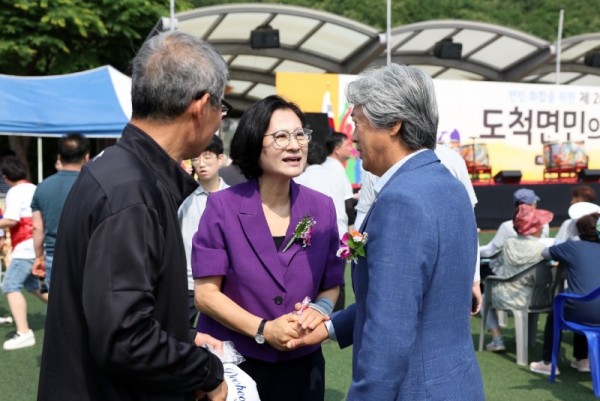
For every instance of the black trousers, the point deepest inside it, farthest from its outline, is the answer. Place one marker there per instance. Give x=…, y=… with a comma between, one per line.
x=580, y=345
x=301, y=379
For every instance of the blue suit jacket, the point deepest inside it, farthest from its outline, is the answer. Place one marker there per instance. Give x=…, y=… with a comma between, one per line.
x=234, y=241
x=410, y=325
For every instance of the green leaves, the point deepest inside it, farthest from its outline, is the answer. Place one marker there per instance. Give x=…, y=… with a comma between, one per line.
x=60, y=36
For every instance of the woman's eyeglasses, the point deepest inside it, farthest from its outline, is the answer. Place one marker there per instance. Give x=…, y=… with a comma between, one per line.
x=282, y=138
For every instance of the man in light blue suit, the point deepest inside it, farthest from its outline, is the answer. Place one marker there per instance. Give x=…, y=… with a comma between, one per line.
x=410, y=325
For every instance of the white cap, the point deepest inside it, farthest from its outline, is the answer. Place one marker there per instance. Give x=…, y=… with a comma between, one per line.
x=580, y=209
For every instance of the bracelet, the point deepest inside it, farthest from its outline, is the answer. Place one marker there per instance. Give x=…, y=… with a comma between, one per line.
x=40, y=258
x=322, y=305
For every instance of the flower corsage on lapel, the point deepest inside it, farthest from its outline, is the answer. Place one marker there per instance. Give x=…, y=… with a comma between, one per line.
x=303, y=232
x=353, y=246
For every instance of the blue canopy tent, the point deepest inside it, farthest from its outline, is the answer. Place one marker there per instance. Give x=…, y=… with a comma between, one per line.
x=96, y=103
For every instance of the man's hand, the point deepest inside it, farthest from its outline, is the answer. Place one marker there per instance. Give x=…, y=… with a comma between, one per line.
x=39, y=267
x=310, y=337
x=202, y=339
x=476, y=303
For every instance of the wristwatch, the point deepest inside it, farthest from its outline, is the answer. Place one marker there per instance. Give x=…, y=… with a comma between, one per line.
x=259, y=338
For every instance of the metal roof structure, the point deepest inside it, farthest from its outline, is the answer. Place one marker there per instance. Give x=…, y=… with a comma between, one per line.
x=317, y=41
x=489, y=52
x=573, y=70
x=310, y=41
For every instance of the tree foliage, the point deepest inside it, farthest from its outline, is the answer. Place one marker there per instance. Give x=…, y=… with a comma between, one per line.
x=43, y=37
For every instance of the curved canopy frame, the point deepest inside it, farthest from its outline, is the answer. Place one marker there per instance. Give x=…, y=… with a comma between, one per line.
x=489, y=52
x=317, y=41
x=310, y=41
x=573, y=69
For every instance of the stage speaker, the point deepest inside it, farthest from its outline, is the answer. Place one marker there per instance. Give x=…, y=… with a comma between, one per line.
x=508, y=177
x=589, y=175
x=319, y=123
x=446, y=49
x=264, y=37
x=592, y=59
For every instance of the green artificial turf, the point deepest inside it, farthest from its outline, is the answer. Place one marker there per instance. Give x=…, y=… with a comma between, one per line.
x=503, y=378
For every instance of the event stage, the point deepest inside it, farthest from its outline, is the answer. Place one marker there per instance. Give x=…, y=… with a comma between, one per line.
x=496, y=205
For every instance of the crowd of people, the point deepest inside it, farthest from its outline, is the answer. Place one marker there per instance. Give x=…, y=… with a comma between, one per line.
x=524, y=241
x=264, y=243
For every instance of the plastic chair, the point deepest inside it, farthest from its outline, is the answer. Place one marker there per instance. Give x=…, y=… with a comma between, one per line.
x=592, y=334
x=545, y=283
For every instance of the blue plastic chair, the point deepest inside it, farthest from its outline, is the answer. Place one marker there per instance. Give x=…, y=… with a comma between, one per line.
x=592, y=334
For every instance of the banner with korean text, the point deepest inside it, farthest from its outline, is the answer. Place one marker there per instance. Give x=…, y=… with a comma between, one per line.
x=513, y=120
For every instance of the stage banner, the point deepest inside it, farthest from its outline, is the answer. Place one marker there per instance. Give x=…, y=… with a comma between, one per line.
x=512, y=121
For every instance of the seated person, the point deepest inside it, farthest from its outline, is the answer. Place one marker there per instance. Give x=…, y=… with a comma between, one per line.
x=505, y=231
x=582, y=198
x=518, y=253
x=581, y=261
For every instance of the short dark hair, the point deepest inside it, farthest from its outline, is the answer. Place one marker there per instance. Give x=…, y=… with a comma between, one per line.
x=13, y=168
x=584, y=192
x=317, y=154
x=334, y=140
x=247, y=141
x=215, y=145
x=586, y=225
x=73, y=148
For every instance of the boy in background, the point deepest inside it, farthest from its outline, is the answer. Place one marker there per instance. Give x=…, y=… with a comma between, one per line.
x=206, y=171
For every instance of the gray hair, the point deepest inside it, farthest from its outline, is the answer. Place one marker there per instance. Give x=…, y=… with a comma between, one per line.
x=170, y=70
x=398, y=93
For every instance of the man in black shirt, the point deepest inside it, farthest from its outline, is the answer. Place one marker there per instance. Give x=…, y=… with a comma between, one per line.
x=117, y=326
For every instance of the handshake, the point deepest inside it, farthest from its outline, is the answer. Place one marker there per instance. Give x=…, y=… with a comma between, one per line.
x=302, y=327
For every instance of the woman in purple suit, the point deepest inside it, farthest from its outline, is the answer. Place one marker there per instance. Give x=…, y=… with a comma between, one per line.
x=262, y=247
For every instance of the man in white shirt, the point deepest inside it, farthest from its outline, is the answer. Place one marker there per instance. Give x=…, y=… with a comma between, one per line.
x=339, y=148
x=325, y=180
x=206, y=168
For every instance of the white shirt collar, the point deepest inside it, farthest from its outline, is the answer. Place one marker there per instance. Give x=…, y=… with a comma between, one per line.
x=390, y=172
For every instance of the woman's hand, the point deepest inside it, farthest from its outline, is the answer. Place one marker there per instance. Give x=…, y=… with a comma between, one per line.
x=281, y=330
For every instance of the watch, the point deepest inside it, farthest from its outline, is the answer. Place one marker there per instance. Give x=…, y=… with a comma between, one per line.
x=259, y=338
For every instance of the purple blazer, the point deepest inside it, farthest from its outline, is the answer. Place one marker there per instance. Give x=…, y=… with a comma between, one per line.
x=234, y=241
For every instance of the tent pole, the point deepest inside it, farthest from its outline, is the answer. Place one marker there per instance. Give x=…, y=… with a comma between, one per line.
x=40, y=159
x=561, y=17
x=172, y=13
x=388, y=32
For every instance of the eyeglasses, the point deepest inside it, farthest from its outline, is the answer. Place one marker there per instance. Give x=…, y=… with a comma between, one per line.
x=226, y=108
x=282, y=138
x=206, y=156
